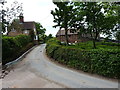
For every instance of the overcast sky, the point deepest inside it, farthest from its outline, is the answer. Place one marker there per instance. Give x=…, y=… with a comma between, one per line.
x=38, y=11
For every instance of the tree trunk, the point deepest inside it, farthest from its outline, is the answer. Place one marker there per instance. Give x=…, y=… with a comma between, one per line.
x=93, y=40
x=94, y=45
x=66, y=36
x=66, y=29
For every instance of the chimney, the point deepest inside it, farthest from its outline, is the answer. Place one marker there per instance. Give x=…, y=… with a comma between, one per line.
x=21, y=18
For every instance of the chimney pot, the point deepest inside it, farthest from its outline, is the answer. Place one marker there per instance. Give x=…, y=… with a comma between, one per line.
x=21, y=18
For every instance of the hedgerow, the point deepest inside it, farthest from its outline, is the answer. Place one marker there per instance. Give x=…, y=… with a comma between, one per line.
x=105, y=62
x=13, y=46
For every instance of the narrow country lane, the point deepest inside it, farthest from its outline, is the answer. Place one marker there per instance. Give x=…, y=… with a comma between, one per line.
x=37, y=71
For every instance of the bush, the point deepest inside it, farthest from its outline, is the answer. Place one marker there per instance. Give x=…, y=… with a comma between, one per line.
x=110, y=43
x=54, y=41
x=104, y=62
x=12, y=46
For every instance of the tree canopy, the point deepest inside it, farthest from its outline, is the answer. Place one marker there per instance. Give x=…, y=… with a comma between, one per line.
x=40, y=31
x=8, y=14
x=94, y=18
x=62, y=16
x=97, y=18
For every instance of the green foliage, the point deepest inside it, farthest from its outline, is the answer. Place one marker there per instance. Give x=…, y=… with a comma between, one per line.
x=63, y=16
x=32, y=35
x=96, y=20
x=49, y=36
x=11, y=46
x=44, y=38
x=54, y=41
x=40, y=32
x=9, y=13
x=100, y=61
x=110, y=44
x=15, y=24
x=92, y=18
x=100, y=45
x=40, y=29
x=117, y=35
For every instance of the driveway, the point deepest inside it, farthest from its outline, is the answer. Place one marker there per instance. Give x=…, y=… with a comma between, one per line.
x=37, y=71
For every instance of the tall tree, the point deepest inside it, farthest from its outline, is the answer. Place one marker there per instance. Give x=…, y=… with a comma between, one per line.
x=62, y=16
x=40, y=30
x=15, y=25
x=97, y=18
x=2, y=15
x=9, y=13
x=117, y=35
x=49, y=37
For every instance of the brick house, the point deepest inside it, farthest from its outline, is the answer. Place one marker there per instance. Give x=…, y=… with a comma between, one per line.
x=73, y=36
x=19, y=26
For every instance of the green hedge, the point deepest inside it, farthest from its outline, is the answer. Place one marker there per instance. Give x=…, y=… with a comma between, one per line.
x=12, y=47
x=105, y=62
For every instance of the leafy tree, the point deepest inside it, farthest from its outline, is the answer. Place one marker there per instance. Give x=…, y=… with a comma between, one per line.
x=32, y=35
x=2, y=15
x=40, y=31
x=49, y=37
x=9, y=13
x=62, y=16
x=15, y=25
x=117, y=35
x=42, y=38
x=96, y=18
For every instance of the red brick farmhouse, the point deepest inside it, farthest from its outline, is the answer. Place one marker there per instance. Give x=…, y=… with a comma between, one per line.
x=73, y=36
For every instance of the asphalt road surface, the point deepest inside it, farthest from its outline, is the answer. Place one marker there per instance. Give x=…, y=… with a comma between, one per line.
x=37, y=71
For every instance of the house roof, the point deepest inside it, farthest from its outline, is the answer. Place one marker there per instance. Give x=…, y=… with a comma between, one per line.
x=28, y=25
x=71, y=32
x=62, y=32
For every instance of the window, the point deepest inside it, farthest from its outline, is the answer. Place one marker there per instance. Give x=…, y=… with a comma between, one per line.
x=13, y=30
x=26, y=31
x=36, y=37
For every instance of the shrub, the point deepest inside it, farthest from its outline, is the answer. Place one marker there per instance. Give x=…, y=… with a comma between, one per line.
x=104, y=62
x=12, y=46
x=54, y=41
x=110, y=43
